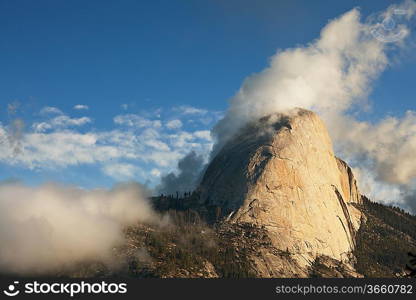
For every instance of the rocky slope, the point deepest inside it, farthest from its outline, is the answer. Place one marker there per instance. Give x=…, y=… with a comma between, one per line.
x=281, y=174
x=190, y=248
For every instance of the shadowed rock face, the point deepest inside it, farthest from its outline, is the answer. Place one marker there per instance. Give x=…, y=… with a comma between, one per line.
x=280, y=173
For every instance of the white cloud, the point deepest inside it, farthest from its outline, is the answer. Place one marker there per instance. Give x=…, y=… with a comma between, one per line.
x=390, y=146
x=58, y=149
x=62, y=121
x=146, y=148
x=197, y=116
x=81, y=107
x=180, y=139
x=203, y=134
x=138, y=143
x=381, y=192
x=50, y=228
x=333, y=77
x=328, y=76
x=50, y=110
x=133, y=120
x=157, y=144
x=190, y=110
x=174, y=124
x=41, y=127
x=155, y=172
x=122, y=171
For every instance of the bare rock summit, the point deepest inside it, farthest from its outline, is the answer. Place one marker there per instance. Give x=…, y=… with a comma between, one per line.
x=280, y=174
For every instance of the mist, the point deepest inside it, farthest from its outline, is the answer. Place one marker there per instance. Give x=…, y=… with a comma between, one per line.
x=333, y=76
x=52, y=227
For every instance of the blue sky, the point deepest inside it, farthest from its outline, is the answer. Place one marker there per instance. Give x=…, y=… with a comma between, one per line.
x=148, y=72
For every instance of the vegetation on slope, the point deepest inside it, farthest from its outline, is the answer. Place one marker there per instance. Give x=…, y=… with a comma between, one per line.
x=187, y=247
x=384, y=240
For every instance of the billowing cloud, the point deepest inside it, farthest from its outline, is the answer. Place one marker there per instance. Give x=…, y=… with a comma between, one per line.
x=390, y=145
x=328, y=76
x=333, y=77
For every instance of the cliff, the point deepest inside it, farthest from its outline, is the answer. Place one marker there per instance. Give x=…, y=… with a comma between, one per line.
x=281, y=174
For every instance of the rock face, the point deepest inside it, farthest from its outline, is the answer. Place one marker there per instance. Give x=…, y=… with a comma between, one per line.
x=281, y=174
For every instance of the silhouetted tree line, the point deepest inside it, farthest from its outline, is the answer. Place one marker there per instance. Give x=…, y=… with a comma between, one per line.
x=175, y=201
x=189, y=201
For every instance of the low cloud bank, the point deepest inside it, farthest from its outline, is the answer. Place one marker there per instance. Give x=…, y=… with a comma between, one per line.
x=49, y=228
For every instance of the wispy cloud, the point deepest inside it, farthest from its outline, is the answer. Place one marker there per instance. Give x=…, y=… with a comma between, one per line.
x=139, y=147
x=190, y=110
x=81, y=107
x=62, y=121
x=13, y=107
x=122, y=171
x=50, y=110
x=133, y=120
